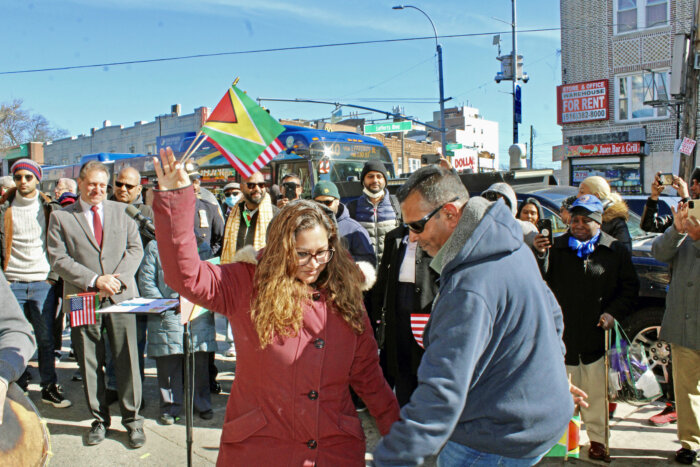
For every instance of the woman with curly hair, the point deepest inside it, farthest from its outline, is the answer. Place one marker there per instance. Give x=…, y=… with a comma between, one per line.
x=302, y=335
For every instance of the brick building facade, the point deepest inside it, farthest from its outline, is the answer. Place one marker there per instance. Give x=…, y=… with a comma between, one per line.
x=627, y=46
x=137, y=139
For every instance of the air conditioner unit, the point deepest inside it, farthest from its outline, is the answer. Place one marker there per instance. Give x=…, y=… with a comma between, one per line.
x=696, y=64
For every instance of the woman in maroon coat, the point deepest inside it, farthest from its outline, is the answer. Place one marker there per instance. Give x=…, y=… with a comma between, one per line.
x=302, y=335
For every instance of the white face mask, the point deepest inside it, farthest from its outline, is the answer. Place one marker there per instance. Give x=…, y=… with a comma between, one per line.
x=231, y=200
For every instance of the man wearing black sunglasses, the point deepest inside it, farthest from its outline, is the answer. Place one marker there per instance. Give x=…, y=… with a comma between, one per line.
x=247, y=225
x=355, y=237
x=127, y=190
x=493, y=349
x=24, y=217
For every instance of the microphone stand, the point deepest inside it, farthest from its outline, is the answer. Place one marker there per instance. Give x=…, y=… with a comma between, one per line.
x=188, y=392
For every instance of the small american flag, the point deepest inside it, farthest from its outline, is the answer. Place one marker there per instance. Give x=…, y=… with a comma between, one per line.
x=82, y=309
x=418, y=322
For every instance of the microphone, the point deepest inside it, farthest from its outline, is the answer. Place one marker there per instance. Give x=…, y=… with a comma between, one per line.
x=146, y=227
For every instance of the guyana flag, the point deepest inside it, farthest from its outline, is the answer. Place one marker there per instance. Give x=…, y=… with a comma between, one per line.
x=244, y=133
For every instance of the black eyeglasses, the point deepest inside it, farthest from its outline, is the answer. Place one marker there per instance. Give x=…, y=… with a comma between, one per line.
x=27, y=177
x=321, y=257
x=419, y=225
x=327, y=202
x=260, y=185
x=127, y=185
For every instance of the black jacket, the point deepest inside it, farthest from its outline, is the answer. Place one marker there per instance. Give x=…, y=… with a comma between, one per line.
x=384, y=298
x=651, y=221
x=605, y=282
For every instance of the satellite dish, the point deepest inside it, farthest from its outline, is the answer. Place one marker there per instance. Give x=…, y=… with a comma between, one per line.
x=518, y=156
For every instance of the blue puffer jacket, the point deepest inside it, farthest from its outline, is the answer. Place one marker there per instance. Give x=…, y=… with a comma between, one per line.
x=377, y=220
x=492, y=377
x=355, y=237
x=165, y=332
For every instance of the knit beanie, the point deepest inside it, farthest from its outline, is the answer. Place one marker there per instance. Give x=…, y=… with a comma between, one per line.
x=373, y=166
x=27, y=164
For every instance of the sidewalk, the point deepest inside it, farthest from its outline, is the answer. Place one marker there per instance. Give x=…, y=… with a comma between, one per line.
x=633, y=442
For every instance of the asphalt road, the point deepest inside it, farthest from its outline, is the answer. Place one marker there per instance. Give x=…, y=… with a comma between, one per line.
x=633, y=442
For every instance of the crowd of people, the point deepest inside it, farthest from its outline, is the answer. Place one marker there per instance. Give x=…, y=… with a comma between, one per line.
x=443, y=314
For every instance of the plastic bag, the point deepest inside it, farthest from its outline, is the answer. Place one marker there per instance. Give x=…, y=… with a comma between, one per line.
x=629, y=377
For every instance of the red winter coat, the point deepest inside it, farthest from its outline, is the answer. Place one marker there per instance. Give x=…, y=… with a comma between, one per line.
x=290, y=403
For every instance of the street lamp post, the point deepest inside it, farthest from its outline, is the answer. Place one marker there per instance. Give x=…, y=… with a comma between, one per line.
x=438, y=48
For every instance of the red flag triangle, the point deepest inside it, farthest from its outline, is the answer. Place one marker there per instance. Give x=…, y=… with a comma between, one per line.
x=224, y=111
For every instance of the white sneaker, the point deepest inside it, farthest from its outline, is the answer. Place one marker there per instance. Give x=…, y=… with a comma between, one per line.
x=231, y=352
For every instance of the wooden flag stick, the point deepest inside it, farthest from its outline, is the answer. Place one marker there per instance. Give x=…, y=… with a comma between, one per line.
x=235, y=81
x=190, y=151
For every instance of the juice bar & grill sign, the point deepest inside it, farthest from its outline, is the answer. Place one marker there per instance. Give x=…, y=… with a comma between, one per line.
x=619, y=163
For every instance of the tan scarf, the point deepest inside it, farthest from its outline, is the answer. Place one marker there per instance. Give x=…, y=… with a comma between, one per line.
x=234, y=223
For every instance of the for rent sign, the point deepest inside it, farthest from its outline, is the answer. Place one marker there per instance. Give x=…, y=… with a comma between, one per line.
x=582, y=102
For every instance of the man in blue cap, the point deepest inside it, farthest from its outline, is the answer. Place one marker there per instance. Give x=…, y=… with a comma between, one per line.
x=593, y=278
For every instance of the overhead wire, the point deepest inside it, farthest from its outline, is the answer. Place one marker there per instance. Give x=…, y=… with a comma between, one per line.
x=313, y=46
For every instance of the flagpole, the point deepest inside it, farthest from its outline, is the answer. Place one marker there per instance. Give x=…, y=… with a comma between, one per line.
x=188, y=152
x=188, y=156
x=188, y=395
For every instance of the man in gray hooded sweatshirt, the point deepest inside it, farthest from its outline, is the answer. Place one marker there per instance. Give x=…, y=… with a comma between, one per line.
x=504, y=191
x=493, y=350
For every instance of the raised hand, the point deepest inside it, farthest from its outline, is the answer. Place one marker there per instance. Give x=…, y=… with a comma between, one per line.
x=656, y=186
x=171, y=174
x=681, y=187
x=679, y=216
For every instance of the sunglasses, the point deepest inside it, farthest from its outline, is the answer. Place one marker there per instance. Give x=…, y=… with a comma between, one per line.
x=419, y=225
x=327, y=202
x=260, y=185
x=127, y=185
x=27, y=177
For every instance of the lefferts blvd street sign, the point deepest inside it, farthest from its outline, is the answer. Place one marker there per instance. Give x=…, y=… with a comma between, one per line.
x=393, y=127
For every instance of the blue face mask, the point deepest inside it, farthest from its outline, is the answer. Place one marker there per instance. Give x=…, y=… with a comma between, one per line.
x=231, y=200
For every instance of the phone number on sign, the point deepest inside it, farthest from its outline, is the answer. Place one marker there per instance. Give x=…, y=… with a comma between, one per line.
x=583, y=115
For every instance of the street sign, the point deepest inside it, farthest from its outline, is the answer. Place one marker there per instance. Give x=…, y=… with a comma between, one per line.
x=517, y=104
x=391, y=127
x=453, y=146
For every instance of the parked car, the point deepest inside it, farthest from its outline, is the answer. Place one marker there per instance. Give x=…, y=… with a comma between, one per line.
x=644, y=324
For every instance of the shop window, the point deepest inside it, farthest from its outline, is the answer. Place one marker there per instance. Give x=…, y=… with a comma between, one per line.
x=632, y=15
x=634, y=90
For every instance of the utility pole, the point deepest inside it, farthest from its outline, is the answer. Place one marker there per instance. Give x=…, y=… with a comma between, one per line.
x=532, y=147
x=515, y=76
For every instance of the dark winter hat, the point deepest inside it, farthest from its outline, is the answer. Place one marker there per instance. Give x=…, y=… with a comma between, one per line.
x=27, y=164
x=589, y=206
x=373, y=166
x=695, y=175
x=325, y=188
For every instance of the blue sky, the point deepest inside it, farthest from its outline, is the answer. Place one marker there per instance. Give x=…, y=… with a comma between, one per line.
x=52, y=33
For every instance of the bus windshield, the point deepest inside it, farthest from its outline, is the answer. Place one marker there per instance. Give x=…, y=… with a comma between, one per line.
x=347, y=158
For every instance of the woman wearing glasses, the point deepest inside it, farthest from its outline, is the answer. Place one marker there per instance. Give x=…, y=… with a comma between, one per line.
x=302, y=336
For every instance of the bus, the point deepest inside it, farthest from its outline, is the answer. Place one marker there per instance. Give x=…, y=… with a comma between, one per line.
x=311, y=154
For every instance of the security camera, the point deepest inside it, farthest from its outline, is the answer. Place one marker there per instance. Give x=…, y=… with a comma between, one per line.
x=526, y=78
x=499, y=77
